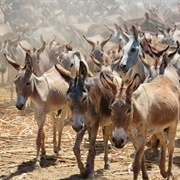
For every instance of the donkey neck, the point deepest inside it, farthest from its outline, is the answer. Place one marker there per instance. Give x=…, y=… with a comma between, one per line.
x=140, y=103
x=140, y=69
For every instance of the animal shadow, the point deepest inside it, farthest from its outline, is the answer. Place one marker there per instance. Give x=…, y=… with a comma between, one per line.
x=99, y=146
x=73, y=177
x=30, y=166
x=98, y=176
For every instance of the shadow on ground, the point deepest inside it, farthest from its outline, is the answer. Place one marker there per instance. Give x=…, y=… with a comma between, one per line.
x=30, y=166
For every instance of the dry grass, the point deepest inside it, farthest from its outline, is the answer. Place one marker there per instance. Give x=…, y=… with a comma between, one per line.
x=18, y=132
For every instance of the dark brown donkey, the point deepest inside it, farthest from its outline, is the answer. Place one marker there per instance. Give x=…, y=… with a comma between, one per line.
x=89, y=101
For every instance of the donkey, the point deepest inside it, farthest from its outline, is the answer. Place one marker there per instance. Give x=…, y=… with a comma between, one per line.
x=70, y=60
x=48, y=95
x=139, y=110
x=40, y=59
x=119, y=37
x=3, y=62
x=98, y=52
x=161, y=62
x=130, y=63
x=88, y=101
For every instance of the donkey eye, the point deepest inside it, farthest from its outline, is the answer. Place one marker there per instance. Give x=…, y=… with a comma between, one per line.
x=28, y=83
x=84, y=98
x=71, y=65
x=128, y=111
x=84, y=90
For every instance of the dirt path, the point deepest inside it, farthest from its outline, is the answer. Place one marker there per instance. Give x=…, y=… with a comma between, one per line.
x=17, y=150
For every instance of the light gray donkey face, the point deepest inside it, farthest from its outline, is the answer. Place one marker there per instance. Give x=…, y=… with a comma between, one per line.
x=131, y=52
x=130, y=57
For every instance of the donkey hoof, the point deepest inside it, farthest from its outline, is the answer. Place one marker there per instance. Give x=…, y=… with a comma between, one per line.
x=170, y=176
x=43, y=154
x=37, y=165
x=91, y=176
x=106, y=166
x=84, y=175
x=55, y=150
x=164, y=174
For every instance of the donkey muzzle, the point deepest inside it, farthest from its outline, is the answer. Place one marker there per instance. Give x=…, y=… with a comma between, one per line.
x=20, y=102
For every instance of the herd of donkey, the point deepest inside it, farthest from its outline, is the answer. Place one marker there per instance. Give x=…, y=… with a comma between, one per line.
x=132, y=91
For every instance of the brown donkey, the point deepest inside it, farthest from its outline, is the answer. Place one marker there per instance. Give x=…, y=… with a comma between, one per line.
x=89, y=103
x=141, y=110
x=48, y=95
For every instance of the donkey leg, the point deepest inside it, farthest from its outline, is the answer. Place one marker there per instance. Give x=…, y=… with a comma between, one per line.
x=92, y=131
x=60, y=127
x=40, y=136
x=106, y=133
x=11, y=90
x=139, y=159
x=143, y=168
x=76, y=150
x=171, y=135
x=163, y=144
x=55, y=125
x=43, y=150
x=2, y=78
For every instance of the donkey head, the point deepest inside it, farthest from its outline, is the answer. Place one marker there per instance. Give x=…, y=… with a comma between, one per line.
x=121, y=107
x=131, y=52
x=38, y=68
x=77, y=96
x=23, y=80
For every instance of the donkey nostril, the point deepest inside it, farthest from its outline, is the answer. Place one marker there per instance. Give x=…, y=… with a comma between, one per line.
x=124, y=66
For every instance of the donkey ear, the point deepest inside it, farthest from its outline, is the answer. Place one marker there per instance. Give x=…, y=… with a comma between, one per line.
x=135, y=33
x=25, y=49
x=125, y=36
x=172, y=54
x=82, y=71
x=134, y=84
x=164, y=63
x=107, y=81
x=90, y=42
x=28, y=62
x=77, y=53
x=40, y=50
x=12, y=62
x=95, y=61
x=105, y=41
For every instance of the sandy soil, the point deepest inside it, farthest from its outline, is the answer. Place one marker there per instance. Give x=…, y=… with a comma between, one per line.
x=18, y=132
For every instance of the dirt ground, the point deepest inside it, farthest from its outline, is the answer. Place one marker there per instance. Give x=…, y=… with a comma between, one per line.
x=18, y=132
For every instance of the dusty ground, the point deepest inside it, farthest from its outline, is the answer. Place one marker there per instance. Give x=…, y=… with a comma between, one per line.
x=17, y=150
